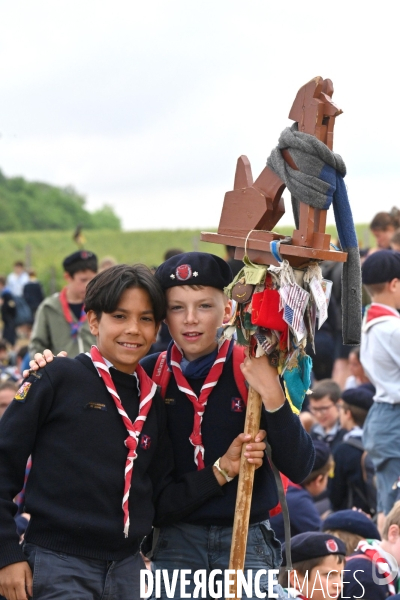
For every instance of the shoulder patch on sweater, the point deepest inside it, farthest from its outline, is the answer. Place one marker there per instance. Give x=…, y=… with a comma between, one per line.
x=22, y=393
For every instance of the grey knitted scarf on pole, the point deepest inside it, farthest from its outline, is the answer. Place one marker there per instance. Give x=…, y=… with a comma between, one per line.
x=319, y=183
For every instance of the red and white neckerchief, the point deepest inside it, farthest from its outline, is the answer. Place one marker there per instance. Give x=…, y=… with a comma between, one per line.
x=199, y=404
x=68, y=316
x=147, y=391
x=376, y=313
x=372, y=549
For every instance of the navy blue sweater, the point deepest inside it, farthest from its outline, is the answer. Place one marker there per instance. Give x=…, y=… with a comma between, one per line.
x=292, y=448
x=302, y=512
x=69, y=423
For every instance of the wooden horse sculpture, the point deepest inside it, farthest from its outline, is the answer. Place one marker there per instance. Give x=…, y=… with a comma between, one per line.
x=257, y=206
x=249, y=214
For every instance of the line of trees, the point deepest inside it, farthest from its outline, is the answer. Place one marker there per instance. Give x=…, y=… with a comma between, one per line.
x=33, y=206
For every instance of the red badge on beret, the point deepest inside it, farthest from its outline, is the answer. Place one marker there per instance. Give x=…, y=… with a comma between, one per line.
x=332, y=545
x=183, y=272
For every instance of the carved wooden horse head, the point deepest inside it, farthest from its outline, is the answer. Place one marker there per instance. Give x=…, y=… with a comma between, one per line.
x=259, y=205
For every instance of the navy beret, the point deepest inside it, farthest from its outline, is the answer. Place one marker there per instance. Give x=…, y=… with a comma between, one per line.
x=313, y=544
x=194, y=268
x=322, y=454
x=80, y=256
x=381, y=266
x=361, y=396
x=353, y=522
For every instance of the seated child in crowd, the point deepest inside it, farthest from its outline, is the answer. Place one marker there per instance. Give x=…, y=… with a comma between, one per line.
x=302, y=511
x=318, y=562
x=353, y=484
x=371, y=571
x=323, y=405
x=351, y=526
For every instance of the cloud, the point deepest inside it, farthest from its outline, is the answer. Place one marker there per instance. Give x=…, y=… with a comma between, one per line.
x=147, y=106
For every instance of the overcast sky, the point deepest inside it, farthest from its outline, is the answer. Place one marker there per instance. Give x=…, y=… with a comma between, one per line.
x=147, y=105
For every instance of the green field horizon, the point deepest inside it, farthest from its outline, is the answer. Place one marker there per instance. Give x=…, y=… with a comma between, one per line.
x=45, y=250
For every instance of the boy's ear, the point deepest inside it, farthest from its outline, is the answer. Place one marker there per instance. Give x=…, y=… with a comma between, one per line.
x=93, y=322
x=67, y=277
x=227, y=312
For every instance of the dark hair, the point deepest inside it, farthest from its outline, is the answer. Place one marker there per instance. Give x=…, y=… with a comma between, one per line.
x=326, y=468
x=19, y=263
x=3, y=345
x=358, y=414
x=87, y=264
x=104, y=291
x=172, y=252
x=383, y=220
x=2, y=280
x=326, y=387
x=8, y=384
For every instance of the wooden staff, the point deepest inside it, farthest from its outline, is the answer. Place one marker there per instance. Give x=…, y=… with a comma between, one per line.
x=245, y=490
x=256, y=207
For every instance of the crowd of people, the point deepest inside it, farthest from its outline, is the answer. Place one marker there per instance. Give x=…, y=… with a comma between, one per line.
x=339, y=457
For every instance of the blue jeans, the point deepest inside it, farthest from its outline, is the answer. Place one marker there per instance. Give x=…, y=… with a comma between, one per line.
x=381, y=441
x=194, y=547
x=59, y=576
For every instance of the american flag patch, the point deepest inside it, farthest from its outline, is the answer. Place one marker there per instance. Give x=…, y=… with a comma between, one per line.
x=295, y=301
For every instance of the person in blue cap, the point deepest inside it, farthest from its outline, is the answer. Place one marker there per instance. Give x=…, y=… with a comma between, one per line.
x=380, y=357
x=353, y=484
x=318, y=562
x=351, y=526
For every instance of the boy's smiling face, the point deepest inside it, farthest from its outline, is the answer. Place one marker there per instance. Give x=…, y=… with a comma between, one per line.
x=193, y=317
x=124, y=336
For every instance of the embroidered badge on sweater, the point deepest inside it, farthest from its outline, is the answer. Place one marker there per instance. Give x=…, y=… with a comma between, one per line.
x=22, y=393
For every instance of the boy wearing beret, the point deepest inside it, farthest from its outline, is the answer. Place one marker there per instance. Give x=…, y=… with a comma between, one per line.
x=351, y=526
x=380, y=357
x=303, y=513
x=61, y=322
x=353, y=484
x=372, y=571
x=205, y=408
x=318, y=563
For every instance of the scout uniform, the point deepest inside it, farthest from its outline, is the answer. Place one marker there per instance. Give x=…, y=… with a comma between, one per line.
x=202, y=540
x=380, y=357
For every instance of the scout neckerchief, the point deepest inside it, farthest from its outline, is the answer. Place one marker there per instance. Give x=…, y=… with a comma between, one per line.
x=199, y=403
x=375, y=313
x=147, y=391
x=372, y=549
x=297, y=595
x=75, y=325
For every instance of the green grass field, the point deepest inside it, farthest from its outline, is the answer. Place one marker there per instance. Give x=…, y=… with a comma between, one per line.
x=45, y=250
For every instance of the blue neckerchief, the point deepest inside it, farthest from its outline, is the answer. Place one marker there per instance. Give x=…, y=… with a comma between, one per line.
x=200, y=367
